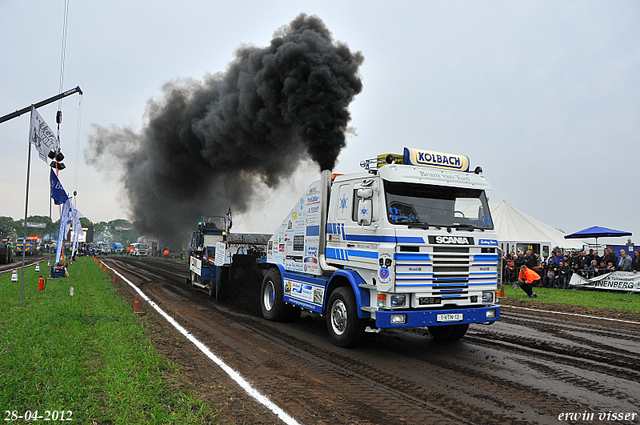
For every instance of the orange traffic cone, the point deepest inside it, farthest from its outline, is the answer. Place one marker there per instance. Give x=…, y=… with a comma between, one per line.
x=502, y=290
x=136, y=304
x=95, y=259
x=114, y=278
x=105, y=268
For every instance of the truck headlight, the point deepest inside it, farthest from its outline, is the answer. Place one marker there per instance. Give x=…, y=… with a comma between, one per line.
x=398, y=300
x=491, y=314
x=487, y=296
x=398, y=319
x=382, y=300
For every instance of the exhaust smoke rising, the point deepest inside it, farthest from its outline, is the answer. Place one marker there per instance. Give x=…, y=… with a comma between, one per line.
x=207, y=145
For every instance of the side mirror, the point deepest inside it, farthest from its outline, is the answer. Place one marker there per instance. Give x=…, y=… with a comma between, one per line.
x=364, y=210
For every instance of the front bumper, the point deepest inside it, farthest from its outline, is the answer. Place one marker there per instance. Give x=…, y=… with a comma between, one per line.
x=419, y=318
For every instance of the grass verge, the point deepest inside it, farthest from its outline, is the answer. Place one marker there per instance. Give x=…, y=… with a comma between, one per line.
x=86, y=354
x=579, y=297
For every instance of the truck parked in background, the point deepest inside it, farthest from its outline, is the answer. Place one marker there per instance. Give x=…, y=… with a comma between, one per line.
x=6, y=248
x=138, y=249
x=142, y=250
x=102, y=248
x=408, y=242
x=31, y=247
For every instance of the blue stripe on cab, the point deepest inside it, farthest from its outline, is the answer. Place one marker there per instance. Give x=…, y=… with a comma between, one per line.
x=401, y=256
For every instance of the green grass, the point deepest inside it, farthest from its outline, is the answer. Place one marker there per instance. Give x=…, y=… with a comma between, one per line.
x=88, y=354
x=580, y=297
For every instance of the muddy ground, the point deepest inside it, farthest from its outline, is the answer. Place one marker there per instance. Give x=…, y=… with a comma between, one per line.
x=531, y=367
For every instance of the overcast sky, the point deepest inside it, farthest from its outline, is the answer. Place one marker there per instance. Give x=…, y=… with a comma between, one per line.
x=545, y=96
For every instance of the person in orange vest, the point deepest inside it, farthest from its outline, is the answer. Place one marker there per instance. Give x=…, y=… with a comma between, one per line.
x=528, y=279
x=166, y=252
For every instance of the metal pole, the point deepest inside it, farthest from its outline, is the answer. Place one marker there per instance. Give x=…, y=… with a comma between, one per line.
x=50, y=233
x=26, y=209
x=39, y=104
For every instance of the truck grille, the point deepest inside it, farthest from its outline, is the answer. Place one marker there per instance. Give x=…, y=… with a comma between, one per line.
x=444, y=271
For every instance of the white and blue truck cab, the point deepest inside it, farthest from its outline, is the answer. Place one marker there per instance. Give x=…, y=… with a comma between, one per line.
x=408, y=242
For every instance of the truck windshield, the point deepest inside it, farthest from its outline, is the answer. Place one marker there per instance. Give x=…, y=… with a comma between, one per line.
x=419, y=205
x=213, y=222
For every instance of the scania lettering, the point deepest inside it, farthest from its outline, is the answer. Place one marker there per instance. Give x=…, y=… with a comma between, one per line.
x=450, y=240
x=398, y=245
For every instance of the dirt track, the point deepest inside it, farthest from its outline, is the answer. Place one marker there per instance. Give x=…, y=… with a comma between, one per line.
x=528, y=368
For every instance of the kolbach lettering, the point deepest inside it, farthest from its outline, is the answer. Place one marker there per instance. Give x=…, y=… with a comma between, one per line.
x=427, y=158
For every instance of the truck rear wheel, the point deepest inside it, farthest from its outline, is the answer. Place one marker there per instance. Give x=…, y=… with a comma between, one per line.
x=448, y=332
x=346, y=329
x=272, y=299
x=271, y=293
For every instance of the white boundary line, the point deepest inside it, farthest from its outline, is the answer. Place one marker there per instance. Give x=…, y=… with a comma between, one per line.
x=570, y=314
x=260, y=398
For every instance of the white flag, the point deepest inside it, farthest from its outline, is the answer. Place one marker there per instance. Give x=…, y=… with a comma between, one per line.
x=64, y=227
x=42, y=136
x=77, y=228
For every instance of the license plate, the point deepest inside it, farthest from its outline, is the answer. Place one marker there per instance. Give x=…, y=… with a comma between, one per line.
x=455, y=317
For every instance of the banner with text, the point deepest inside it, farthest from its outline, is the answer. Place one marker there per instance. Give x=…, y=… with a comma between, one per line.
x=616, y=281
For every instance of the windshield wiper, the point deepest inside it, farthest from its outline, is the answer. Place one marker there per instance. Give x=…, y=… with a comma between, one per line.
x=422, y=225
x=470, y=227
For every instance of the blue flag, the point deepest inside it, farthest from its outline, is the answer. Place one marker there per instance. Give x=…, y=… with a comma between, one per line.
x=57, y=191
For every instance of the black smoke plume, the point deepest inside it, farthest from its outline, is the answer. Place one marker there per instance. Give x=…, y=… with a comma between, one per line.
x=207, y=145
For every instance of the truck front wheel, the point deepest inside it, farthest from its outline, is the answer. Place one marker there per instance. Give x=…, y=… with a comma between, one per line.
x=448, y=332
x=346, y=329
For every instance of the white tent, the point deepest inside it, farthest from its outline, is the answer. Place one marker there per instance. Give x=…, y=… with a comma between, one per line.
x=517, y=230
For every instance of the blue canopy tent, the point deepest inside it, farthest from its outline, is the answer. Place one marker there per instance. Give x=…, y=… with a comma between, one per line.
x=597, y=232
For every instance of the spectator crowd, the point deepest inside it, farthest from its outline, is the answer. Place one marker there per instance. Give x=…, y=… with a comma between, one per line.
x=556, y=271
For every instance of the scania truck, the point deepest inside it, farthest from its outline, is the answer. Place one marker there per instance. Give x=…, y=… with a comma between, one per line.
x=409, y=242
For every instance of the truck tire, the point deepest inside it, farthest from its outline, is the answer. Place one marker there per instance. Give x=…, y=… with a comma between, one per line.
x=346, y=329
x=448, y=332
x=271, y=297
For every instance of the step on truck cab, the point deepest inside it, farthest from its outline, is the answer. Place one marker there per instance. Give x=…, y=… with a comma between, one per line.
x=409, y=242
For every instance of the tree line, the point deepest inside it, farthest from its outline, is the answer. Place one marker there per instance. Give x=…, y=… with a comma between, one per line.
x=119, y=230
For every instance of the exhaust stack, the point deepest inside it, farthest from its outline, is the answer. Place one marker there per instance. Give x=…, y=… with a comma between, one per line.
x=325, y=183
